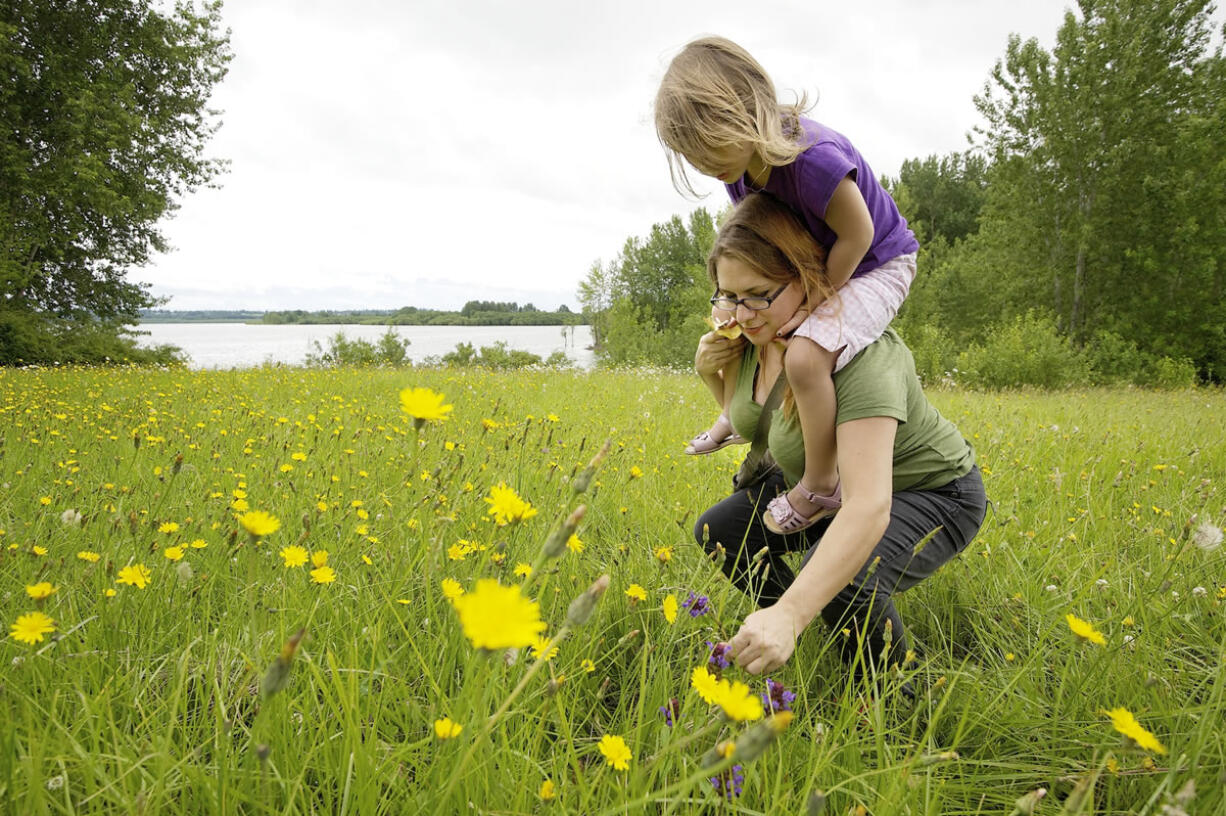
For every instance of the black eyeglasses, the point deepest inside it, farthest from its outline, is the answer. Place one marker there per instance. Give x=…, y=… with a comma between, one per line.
x=753, y=304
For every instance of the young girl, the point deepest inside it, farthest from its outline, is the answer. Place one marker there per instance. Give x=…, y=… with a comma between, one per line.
x=717, y=110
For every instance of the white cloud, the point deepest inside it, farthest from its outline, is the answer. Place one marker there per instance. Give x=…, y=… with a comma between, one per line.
x=387, y=154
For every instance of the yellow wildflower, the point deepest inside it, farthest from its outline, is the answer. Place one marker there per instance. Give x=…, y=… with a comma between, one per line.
x=587, y=665
x=636, y=472
x=88, y=555
x=323, y=575
x=616, y=752
x=258, y=524
x=31, y=627
x=670, y=608
x=319, y=558
x=543, y=647
x=506, y=506
x=136, y=575
x=738, y=702
x=451, y=588
x=664, y=554
x=574, y=544
x=173, y=553
x=168, y=527
x=294, y=556
x=1124, y=722
x=424, y=405
x=523, y=570
x=705, y=684
x=546, y=792
x=498, y=617
x=41, y=590
x=636, y=593
x=446, y=729
x=1085, y=630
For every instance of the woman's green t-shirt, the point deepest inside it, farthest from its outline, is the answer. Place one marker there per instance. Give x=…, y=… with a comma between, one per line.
x=879, y=381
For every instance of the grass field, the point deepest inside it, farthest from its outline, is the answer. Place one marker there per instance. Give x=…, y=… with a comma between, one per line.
x=183, y=696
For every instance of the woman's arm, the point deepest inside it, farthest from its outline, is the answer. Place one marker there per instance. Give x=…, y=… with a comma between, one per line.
x=866, y=459
x=716, y=362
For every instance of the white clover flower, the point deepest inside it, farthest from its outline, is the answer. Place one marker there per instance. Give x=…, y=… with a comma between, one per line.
x=1051, y=587
x=1199, y=592
x=71, y=518
x=55, y=782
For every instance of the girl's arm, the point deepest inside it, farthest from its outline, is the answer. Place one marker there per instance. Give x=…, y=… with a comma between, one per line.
x=847, y=215
x=866, y=460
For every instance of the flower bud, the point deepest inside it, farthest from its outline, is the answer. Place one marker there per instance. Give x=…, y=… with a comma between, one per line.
x=556, y=544
x=815, y=804
x=581, y=608
x=584, y=479
x=751, y=744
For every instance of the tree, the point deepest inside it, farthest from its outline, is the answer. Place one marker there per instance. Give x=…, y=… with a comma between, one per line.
x=941, y=197
x=1104, y=155
x=647, y=305
x=104, y=119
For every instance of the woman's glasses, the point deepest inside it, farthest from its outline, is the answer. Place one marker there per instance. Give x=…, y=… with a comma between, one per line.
x=753, y=304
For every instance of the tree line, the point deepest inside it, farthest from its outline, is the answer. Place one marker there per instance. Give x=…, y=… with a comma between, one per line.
x=1081, y=238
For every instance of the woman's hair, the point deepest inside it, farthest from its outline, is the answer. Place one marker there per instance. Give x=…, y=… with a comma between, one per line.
x=764, y=234
x=714, y=94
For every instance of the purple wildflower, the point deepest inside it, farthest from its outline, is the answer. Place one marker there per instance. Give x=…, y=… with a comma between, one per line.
x=697, y=604
x=730, y=782
x=719, y=655
x=670, y=712
x=777, y=697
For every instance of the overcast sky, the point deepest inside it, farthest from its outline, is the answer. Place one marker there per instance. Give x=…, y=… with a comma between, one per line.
x=387, y=153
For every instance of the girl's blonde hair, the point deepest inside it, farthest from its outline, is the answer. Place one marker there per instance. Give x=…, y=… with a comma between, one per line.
x=764, y=234
x=714, y=94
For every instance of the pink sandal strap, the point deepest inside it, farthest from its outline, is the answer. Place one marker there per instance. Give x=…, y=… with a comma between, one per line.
x=832, y=502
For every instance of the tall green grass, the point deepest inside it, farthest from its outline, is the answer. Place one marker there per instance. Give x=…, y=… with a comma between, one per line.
x=149, y=700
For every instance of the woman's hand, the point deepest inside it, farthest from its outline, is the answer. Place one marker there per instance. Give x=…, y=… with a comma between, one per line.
x=765, y=640
x=714, y=352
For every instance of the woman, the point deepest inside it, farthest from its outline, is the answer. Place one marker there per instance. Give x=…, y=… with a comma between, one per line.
x=905, y=470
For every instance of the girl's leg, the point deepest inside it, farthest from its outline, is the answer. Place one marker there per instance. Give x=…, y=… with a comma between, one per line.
x=720, y=434
x=736, y=525
x=810, y=368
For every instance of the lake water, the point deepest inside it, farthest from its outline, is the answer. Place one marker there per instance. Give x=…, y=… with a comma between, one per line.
x=239, y=345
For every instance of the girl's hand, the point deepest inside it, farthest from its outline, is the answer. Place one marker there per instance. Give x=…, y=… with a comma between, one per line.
x=715, y=351
x=765, y=640
x=802, y=314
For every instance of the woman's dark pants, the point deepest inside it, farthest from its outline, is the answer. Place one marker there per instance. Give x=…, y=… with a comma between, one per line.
x=954, y=510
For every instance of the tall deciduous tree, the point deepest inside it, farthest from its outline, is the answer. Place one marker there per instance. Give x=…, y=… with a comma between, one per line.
x=1099, y=151
x=104, y=119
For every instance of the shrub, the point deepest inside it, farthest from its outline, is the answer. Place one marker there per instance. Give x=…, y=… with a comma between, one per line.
x=1028, y=350
x=390, y=350
x=934, y=352
x=499, y=357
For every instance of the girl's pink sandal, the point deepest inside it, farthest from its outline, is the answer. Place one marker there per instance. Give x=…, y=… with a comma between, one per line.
x=704, y=443
x=781, y=517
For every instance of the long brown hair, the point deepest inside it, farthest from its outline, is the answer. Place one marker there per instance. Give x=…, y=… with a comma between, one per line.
x=767, y=236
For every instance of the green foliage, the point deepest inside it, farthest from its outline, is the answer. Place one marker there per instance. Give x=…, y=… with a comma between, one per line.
x=500, y=358
x=149, y=701
x=1028, y=351
x=646, y=307
x=1106, y=193
x=935, y=352
x=941, y=197
x=390, y=350
x=105, y=120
